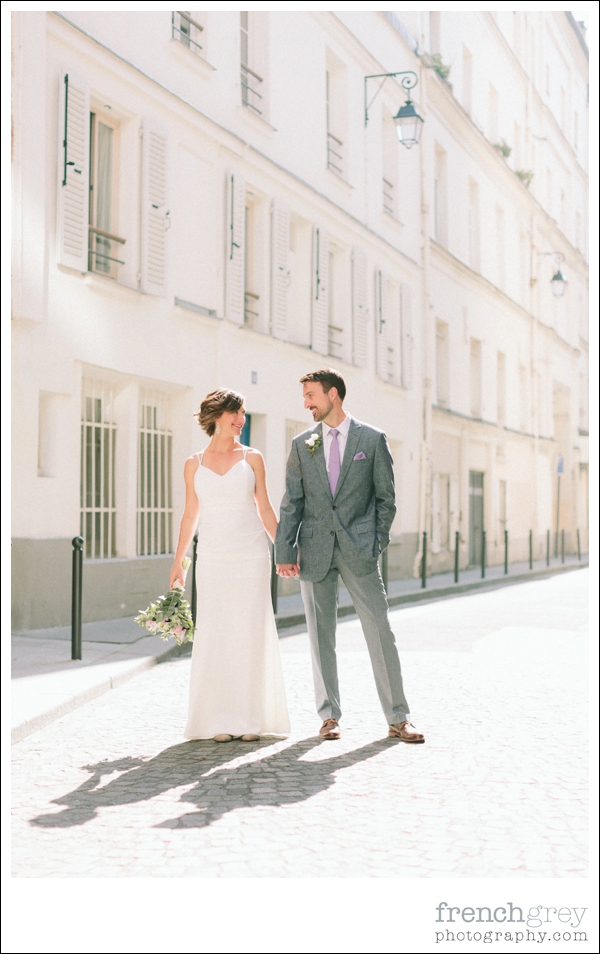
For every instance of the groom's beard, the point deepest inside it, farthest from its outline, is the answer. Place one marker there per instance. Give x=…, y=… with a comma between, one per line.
x=320, y=414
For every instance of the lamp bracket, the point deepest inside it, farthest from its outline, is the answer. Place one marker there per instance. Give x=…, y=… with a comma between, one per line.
x=409, y=81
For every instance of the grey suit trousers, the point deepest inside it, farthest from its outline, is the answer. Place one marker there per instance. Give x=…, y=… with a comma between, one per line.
x=370, y=602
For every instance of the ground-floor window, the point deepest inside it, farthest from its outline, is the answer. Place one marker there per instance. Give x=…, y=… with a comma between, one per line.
x=97, y=488
x=155, y=496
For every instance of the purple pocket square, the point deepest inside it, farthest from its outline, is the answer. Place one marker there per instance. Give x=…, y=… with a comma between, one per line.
x=359, y=456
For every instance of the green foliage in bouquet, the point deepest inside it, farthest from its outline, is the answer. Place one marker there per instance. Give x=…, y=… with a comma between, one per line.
x=170, y=615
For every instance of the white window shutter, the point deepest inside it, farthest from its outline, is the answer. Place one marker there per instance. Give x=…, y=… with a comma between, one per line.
x=320, y=293
x=381, y=326
x=154, y=209
x=359, y=308
x=407, y=336
x=280, y=273
x=73, y=169
x=235, y=253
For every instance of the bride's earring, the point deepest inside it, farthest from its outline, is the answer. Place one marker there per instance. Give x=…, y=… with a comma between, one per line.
x=218, y=430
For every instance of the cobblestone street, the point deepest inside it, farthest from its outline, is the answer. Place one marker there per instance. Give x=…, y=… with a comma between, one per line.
x=497, y=682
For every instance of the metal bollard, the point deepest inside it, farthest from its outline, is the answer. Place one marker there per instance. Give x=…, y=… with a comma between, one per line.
x=194, y=599
x=274, y=581
x=76, y=597
x=547, y=548
x=483, y=543
x=562, y=546
x=456, y=554
x=578, y=546
x=506, y=552
x=424, y=562
x=384, y=569
x=531, y=549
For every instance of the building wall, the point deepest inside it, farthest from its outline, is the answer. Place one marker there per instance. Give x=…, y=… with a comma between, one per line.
x=165, y=334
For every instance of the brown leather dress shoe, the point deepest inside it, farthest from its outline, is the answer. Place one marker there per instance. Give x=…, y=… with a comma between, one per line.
x=405, y=731
x=330, y=729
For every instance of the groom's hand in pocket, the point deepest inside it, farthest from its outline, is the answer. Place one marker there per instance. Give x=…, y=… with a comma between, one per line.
x=288, y=569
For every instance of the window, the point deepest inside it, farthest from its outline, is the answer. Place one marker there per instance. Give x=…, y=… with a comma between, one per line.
x=467, y=79
x=251, y=297
x=475, y=378
x=252, y=78
x=335, y=106
x=104, y=246
x=501, y=389
x=500, y=249
x=439, y=196
x=442, y=363
x=97, y=486
x=339, y=304
x=388, y=318
x=154, y=498
x=186, y=28
x=389, y=148
x=474, y=225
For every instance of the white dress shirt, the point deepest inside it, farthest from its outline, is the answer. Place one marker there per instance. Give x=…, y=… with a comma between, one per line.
x=342, y=430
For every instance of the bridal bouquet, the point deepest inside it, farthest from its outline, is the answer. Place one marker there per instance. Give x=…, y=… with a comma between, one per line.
x=170, y=615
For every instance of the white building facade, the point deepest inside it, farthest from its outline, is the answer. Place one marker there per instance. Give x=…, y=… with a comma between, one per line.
x=199, y=203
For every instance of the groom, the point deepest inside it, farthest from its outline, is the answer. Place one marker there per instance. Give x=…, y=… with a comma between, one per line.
x=335, y=521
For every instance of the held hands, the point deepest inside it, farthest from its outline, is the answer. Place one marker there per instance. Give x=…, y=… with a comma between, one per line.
x=288, y=569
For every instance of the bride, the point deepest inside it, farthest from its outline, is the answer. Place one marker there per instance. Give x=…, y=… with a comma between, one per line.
x=236, y=682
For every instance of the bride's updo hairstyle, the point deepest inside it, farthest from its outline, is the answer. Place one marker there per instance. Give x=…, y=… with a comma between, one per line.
x=215, y=404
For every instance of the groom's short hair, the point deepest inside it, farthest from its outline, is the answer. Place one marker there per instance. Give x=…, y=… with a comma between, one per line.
x=328, y=378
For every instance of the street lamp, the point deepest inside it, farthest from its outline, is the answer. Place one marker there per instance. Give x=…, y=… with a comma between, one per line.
x=407, y=119
x=558, y=282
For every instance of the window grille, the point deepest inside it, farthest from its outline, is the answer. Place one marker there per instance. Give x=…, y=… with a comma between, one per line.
x=155, y=502
x=98, y=439
x=334, y=153
x=335, y=343
x=186, y=30
x=388, y=196
x=251, y=95
x=250, y=305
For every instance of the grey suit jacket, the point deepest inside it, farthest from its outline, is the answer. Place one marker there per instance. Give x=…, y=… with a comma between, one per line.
x=359, y=515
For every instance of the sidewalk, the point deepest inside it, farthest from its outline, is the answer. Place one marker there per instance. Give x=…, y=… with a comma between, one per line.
x=46, y=683
x=290, y=610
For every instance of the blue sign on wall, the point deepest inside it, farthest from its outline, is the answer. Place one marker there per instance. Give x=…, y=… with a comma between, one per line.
x=560, y=467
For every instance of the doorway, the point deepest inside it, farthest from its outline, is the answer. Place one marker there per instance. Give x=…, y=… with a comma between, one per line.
x=475, y=516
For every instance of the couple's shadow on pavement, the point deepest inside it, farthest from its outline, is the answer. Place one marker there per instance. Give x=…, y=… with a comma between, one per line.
x=214, y=788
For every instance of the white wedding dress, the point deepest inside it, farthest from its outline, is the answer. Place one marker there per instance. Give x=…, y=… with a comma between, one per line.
x=236, y=682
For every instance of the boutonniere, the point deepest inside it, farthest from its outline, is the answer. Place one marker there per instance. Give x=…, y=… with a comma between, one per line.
x=313, y=442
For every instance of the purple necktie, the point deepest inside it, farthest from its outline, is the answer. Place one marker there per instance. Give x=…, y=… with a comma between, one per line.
x=334, y=460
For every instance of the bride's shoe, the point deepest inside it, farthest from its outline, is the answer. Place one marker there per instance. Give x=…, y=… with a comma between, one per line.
x=223, y=737
x=250, y=738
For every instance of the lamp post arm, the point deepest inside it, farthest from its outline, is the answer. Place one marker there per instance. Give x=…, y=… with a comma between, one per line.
x=409, y=81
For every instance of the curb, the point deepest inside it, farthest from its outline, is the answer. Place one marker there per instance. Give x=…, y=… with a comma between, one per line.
x=20, y=732
x=442, y=592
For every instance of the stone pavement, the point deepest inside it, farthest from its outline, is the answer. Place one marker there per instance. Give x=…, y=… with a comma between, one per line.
x=498, y=683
